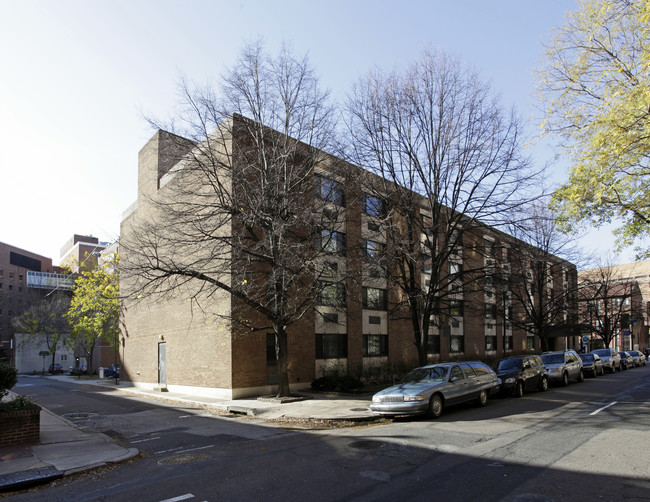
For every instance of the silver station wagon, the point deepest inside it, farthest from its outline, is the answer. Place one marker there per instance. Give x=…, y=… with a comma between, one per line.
x=430, y=388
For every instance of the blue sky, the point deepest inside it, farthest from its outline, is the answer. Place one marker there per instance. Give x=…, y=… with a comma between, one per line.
x=77, y=75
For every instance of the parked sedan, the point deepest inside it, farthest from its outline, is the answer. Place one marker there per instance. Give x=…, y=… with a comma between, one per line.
x=627, y=361
x=430, y=388
x=522, y=373
x=55, y=368
x=611, y=359
x=639, y=358
x=563, y=366
x=112, y=371
x=592, y=364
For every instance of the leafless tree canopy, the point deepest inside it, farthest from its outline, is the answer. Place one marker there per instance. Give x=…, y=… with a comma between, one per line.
x=543, y=288
x=606, y=302
x=235, y=209
x=444, y=147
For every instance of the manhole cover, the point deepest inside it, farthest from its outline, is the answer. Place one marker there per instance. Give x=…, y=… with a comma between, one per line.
x=79, y=416
x=367, y=445
x=185, y=458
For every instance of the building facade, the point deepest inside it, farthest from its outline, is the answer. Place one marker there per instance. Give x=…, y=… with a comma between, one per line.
x=359, y=325
x=615, y=302
x=22, y=275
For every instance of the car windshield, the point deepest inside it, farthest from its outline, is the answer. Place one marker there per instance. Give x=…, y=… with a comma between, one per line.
x=510, y=364
x=601, y=352
x=436, y=374
x=634, y=353
x=587, y=357
x=553, y=358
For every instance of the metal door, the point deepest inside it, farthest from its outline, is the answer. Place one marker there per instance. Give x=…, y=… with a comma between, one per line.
x=162, y=364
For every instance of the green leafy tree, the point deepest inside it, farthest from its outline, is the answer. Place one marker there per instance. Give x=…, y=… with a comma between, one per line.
x=596, y=92
x=95, y=308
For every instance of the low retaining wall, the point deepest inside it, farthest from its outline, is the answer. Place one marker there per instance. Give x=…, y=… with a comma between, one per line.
x=20, y=427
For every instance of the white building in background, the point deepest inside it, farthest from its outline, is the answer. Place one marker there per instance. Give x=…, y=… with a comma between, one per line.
x=33, y=355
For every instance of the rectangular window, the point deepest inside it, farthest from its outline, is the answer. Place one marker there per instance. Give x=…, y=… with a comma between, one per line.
x=329, y=190
x=455, y=270
x=11, y=287
x=331, y=345
x=375, y=299
x=330, y=241
x=20, y=277
x=490, y=343
x=456, y=308
x=330, y=269
x=328, y=317
x=490, y=311
x=433, y=345
x=372, y=250
x=270, y=349
x=373, y=206
x=488, y=247
x=331, y=295
x=373, y=227
x=427, y=225
x=456, y=343
x=374, y=319
x=509, y=342
x=375, y=345
x=11, y=275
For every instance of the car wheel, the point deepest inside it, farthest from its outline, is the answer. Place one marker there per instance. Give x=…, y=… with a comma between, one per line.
x=565, y=379
x=435, y=406
x=543, y=386
x=482, y=398
x=613, y=368
x=602, y=371
x=519, y=389
x=581, y=376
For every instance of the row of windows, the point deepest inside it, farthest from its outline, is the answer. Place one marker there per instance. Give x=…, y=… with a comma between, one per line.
x=10, y=287
x=11, y=275
x=332, y=191
x=334, y=295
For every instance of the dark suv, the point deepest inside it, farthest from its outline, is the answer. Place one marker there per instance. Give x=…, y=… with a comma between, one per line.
x=522, y=373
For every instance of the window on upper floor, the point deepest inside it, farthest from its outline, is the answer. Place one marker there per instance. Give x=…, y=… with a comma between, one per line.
x=373, y=206
x=372, y=250
x=375, y=299
x=329, y=190
x=330, y=241
x=331, y=295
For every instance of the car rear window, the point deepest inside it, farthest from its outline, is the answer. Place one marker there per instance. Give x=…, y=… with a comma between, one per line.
x=481, y=368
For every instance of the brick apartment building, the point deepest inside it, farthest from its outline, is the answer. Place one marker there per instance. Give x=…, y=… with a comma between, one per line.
x=168, y=342
x=618, y=295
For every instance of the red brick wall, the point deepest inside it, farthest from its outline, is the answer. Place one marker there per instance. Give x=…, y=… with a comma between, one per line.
x=20, y=427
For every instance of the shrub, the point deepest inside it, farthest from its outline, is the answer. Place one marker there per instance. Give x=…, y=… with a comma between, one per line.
x=332, y=383
x=18, y=404
x=8, y=378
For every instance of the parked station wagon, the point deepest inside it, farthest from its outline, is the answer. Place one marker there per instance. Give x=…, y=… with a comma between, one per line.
x=430, y=388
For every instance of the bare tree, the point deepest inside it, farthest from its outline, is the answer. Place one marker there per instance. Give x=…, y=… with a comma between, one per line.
x=448, y=160
x=237, y=212
x=46, y=319
x=606, y=302
x=542, y=278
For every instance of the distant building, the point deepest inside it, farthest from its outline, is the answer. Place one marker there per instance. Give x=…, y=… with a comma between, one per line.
x=81, y=249
x=618, y=295
x=25, y=277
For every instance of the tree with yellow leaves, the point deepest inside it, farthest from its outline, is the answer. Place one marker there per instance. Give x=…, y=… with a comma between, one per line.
x=596, y=92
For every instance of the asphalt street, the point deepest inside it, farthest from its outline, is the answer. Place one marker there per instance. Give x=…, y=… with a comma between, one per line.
x=587, y=441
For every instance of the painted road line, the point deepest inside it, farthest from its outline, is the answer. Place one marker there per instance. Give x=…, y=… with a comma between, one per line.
x=603, y=408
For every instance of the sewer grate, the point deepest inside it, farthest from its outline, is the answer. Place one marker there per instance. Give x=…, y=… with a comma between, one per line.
x=367, y=445
x=184, y=458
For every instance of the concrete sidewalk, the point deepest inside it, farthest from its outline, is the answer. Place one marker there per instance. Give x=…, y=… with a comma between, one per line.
x=65, y=449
